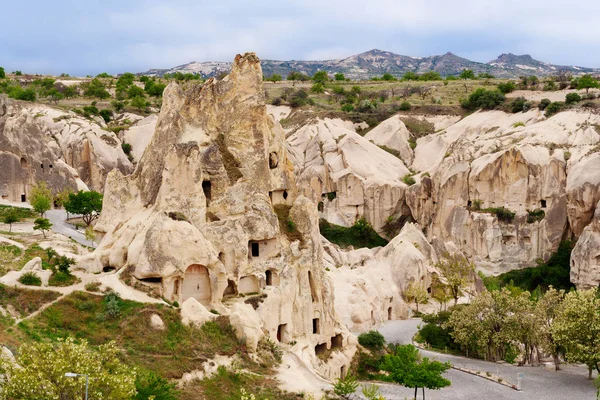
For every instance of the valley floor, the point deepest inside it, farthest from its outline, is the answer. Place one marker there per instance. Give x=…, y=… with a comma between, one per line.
x=538, y=383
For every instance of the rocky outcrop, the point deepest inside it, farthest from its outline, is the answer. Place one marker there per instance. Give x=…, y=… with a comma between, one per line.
x=212, y=212
x=40, y=143
x=585, y=257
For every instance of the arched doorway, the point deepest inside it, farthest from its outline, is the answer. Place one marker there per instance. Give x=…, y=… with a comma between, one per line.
x=196, y=284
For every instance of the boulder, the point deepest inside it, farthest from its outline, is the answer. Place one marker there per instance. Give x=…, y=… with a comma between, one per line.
x=194, y=313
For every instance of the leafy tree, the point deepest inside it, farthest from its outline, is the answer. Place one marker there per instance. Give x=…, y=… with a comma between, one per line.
x=106, y=115
x=55, y=95
x=62, y=197
x=41, y=198
x=485, y=75
x=18, y=93
x=104, y=75
x=151, y=386
x=339, y=77
x=457, y=271
x=410, y=76
x=86, y=204
x=320, y=77
x=553, y=108
x=406, y=367
x=415, y=293
x=546, y=312
x=17, y=73
x=70, y=91
x=154, y=89
x=117, y=105
x=372, y=340
x=40, y=368
x=10, y=217
x=96, y=88
x=90, y=234
x=577, y=327
x=2, y=73
x=388, y=77
x=297, y=76
x=587, y=82
x=135, y=91
x=42, y=224
x=139, y=102
x=371, y=392
x=345, y=386
x=467, y=74
x=430, y=76
x=544, y=103
x=274, y=78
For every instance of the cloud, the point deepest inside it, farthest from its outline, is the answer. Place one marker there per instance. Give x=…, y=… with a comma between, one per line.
x=90, y=37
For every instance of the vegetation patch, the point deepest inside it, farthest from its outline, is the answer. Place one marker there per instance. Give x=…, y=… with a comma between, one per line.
x=555, y=272
x=231, y=164
x=361, y=234
x=286, y=225
x=503, y=214
x=535, y=215
x=418, y=127
x=25, y=301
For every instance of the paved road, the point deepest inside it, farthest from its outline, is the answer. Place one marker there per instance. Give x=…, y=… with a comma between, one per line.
x=58, y=218
x=538, y=384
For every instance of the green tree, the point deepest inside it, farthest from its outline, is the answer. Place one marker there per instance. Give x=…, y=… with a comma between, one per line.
x=467, y=74
x=406, y=367
x=274, y=78
x=587, y=82
x=339, y=77
x=86, y=204
x=506, y=87
x=40, y=368
x=2, y=73
x=55, y=95
x=90, y=234
x=415, y=293
x=345, y=386
x=139, y=102
x=410, y=76
x=96, y=88
x=104, y=75
x=41, y=198
x=485, y=99
x=546, y=311
x=42, y=224
x=70, y=91
x=297, y=76
x=135, y=91
x=10, y=217
x=388, y=77
x=320, y=77
x=577, y=327
x=457, y=271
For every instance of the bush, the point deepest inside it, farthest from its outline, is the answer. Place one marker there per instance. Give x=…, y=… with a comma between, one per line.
x=554, y=108
x=30, y=279
x=544, y=103
x=409, y=180
x=484, y=99
x=150, y=385
x=371, y=340
x=126, y=148
x=348, y=108
x=361, y=234
x=535, y=215
x=299, y=99
x=507, y=87
x=519, y=104
x=404, y=106
x=571, y=98
x=503, y=214
x=93, y=286
x=317, y=88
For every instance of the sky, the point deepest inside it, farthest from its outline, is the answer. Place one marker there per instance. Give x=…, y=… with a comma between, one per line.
x=88, y=36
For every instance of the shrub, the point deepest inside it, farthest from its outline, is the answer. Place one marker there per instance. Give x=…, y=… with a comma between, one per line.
x=544, y=103
x=408, y=179
x=554, y=108
x=300, y=98
x=503, y=214
x=150, y=385
x=535, y=215
x=320, y=77
x=484, y=99
x=339, y=77
x=317, y=88
x=106, y=115
x=404, y=106
x=348, y=108
x=371, y=340
x=506, y=87
x=30, y=279
x=519, y=104
x=126, y=148
x=276, y=101
x=361, y=234
x=436, y=336
x=572, y=98
x=93, y=286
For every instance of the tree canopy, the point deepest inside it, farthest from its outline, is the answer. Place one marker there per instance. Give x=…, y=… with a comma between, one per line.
x=41, y=198
x=587, y=82
x=86, y=204
x=40, y=368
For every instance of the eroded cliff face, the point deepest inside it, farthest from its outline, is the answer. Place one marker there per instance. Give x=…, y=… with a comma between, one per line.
x=39, y=143
x=212, y=215
x=544, y=170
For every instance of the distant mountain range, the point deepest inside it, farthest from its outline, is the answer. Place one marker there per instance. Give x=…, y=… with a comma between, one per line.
x=377, y=62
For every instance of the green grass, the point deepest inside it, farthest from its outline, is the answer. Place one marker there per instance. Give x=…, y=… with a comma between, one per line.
x=361, y=234
x=22, y=213
x=30, y=279
x=62, y=279
x=25, y=301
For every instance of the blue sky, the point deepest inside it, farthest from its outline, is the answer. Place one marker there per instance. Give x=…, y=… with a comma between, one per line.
x=88, y=36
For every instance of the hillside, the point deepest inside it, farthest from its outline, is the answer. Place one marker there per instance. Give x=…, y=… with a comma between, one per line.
x=377, y=62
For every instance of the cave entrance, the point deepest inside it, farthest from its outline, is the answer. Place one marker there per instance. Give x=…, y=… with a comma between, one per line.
x=342, y=372
x=337, y=341
x=316, y=327
x=23, y=198
x=389, y=313
x=231, y=289
x=543, y=203
x=24, y=163
x=255, y=249
x=207, y=189
x=321, y=349
x=269, y=277
x=282, y=333
x=313, y=291
x=196, y=284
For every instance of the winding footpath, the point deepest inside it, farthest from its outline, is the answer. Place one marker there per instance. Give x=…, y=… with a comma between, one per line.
x=538, y=383
x=58, y=217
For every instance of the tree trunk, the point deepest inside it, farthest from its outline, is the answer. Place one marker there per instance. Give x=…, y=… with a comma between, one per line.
x=423, y=392
x=589, y=372
x=556, y=361
x=416, y=388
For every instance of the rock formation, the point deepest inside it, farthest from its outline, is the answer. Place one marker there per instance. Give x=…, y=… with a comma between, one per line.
x=212, y=212
x=40, y=143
